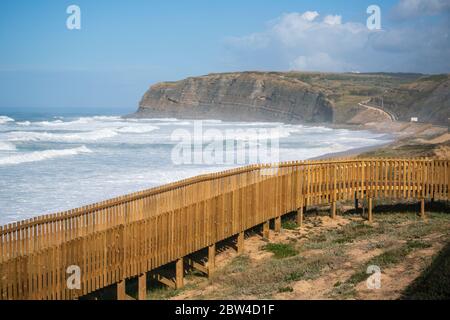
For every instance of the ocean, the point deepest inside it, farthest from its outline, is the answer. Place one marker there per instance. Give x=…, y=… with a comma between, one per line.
x=53, y=163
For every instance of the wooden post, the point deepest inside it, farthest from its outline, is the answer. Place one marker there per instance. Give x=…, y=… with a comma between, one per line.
x=370, y=210
x=142, y=286
x=300, y=216
x=179, y=274
x=240, y=242
x=121, y=295
x=168, y=282
x=211, y=259
x=422, y=208
x=356, y=202
x=333, y=210
x=266, y=228
x=277, y=224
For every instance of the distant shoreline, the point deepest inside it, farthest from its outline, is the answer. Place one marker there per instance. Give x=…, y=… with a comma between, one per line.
x=350, y=153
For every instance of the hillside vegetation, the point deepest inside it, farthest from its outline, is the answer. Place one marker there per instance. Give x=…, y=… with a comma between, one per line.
x=427, y=98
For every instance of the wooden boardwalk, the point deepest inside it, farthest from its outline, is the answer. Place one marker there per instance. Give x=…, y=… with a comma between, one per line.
x=133, y=235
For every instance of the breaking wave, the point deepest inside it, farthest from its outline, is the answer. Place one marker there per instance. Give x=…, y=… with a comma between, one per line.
x=5, y=119
x=61, y=137
x=137, y=129
x=6, y=146
x=42, y=155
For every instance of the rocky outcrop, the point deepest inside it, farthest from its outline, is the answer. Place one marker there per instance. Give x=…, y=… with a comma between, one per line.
x=248, y=96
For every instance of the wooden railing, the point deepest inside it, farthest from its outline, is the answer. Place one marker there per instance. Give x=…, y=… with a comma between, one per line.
x=131, y=235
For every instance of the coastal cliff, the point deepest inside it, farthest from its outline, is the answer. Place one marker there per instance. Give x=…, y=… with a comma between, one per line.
x=302, y=97
x=248, y=96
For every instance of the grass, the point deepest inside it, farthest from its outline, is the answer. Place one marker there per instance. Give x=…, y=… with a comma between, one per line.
x=415, y=244
x=289, y=225
x=310, y=270
x=349, y=233
x=270, y=277
x=164, y=293
x=238, y=264
x=404, y=150
x=285, y=289
x=281, y=250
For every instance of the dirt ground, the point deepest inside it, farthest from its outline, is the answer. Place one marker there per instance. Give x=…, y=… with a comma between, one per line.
x=325, y=259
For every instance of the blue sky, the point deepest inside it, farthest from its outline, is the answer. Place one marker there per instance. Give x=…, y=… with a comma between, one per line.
x=125, y=46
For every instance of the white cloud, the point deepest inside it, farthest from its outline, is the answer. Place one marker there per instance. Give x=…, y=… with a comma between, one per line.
x=304, y=41
x=307, y=42
x=332, y=20
x=310, y=15
x=318, y=61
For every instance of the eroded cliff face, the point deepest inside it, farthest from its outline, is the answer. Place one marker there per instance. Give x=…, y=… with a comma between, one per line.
x=238, y=97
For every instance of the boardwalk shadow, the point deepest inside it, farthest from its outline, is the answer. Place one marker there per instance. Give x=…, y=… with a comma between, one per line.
x=434, y=282
x=413, y=207
x=405, y=207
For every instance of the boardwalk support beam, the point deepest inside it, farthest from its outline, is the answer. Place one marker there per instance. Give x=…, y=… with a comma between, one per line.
x=422, y=209
x=333, y=210
x=370, y=216
x=121, y=295
x=277, y=224
x=211, y=259
x=240, y=242
x=142, y=286
x=197, y=265
x=158, y=277
x=179, y=274
x=266, y=230
x=300, y=216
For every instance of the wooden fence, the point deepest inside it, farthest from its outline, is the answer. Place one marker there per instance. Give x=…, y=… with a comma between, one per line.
x=128, y=236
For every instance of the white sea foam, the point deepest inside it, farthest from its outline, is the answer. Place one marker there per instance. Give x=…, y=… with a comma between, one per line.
x=212, y=121
x=6, y=146
x=104, y=118
x=156, y=119
x=178, y=123
x=137, y=129
x=247, y=134
x=90, y=136
x=318, y=129
x=110, y=122
x=5, y=119
x=42, y=155
x=79, y=121
x=51, y=123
